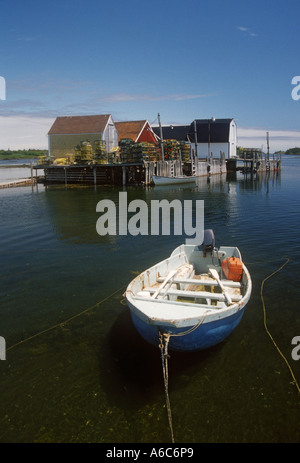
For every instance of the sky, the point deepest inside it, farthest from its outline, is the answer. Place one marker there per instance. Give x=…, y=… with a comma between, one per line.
x=185, y=60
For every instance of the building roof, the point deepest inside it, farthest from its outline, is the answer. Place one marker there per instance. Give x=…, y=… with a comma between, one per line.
x=173, y=132
x=79, y=124
x=218, y=129
x=131, y=129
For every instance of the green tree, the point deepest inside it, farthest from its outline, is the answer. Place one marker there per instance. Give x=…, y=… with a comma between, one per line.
x=295, y=150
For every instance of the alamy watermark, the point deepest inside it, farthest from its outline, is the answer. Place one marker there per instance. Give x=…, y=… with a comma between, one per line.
x=2, y=348
x=296, y=89
x=296, y=350
x=151, y=221
x=2, y=88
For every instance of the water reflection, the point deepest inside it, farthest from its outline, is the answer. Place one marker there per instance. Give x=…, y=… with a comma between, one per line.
x=261, y=181
x=73, y=209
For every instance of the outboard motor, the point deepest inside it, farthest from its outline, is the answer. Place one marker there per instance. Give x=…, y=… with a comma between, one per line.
x=208, y=241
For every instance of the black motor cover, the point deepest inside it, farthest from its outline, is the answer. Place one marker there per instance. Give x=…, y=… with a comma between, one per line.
x=208, y=240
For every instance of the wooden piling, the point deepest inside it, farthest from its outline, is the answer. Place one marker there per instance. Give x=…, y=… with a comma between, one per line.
x=123, y=175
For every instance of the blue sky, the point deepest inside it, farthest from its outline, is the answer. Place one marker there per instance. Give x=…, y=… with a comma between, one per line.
x=183, y=59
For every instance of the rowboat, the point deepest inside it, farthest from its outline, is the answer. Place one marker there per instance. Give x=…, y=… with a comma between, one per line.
x=188, y=297
x=164, y=180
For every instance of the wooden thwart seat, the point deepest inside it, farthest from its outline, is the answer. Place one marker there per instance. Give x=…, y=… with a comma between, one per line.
x=205, y=282
x=182, y=283
x=185, y=269
x=194, y=294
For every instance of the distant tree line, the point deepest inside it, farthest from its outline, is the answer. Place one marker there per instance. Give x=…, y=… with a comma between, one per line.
x=293, y=151
x=21, y=154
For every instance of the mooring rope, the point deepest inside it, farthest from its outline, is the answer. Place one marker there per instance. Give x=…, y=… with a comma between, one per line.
x=163, y=345
x=61, y=324
x=164, y=341
x=266, y=327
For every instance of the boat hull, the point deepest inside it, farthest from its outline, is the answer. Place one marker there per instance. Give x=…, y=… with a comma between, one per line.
x=203, y=337
x=183, y=296
x=160, y=180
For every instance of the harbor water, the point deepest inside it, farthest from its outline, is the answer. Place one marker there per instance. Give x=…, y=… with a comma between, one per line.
x=15, y=169
x=76, y=371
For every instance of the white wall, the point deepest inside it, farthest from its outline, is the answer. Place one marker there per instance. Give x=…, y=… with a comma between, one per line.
x=215, y=148
x=232, y=139
x=110, y=135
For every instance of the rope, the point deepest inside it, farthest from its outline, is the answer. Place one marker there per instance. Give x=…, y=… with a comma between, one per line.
x=61, y=324
x=163, y=345
x=164, y=341
x=266, y=327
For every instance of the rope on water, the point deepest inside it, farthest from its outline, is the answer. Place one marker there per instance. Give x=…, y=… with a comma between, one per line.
x=61, y=324
x=266, y=327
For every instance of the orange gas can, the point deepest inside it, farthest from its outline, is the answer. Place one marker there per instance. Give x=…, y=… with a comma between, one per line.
x=232, y=268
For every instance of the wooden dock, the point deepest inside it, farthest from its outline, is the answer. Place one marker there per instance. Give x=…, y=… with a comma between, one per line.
x=252, y=161
x=140, y=173
x=94, y=174
x=17, y=182
x=127, y=173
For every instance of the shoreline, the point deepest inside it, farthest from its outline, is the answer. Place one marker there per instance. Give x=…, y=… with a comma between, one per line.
x=10, y=166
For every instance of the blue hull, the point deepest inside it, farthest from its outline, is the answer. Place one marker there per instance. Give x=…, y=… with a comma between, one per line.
x=203, y=337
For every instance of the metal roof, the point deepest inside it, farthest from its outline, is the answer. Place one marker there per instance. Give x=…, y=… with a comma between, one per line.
x=64, y=125
x=130, y=129
x=218, y=129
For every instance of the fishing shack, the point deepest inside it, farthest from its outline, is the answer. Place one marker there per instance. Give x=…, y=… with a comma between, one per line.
x=68, y=132
x=207, y=137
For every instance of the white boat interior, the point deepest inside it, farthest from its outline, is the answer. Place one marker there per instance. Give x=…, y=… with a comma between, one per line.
x=187, y=284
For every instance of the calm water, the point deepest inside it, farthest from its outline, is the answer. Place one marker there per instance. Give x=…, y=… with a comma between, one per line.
x=93, y=379
x=15, y=169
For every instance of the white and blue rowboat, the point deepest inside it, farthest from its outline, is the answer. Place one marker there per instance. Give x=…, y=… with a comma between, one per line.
x=187, y=297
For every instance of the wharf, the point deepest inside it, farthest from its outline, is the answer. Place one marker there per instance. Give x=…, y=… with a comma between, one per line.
x=122, y=174
x=93, y=174
x=127, y=173
x=140, y=173
x=253, y=160
x=17, y=182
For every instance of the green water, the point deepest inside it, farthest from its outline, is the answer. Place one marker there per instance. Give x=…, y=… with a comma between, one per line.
x=94, y=379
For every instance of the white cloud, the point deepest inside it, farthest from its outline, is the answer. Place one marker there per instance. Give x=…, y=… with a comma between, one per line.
x=24, y=132
x=257, y=138
x=26, y=39
x=138, y=97
x=247, y=31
